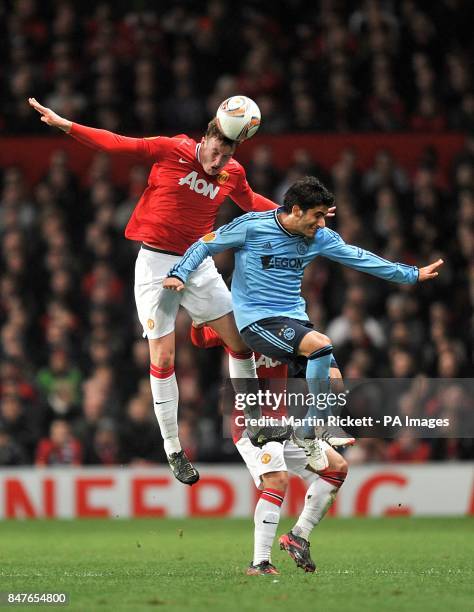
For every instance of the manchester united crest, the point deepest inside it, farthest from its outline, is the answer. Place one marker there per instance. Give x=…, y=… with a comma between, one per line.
x=223, y=177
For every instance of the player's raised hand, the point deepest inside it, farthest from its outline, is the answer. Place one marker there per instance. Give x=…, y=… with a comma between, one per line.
x=173, y=283
x=50, y=117
x=429, y=272
x=331, y=212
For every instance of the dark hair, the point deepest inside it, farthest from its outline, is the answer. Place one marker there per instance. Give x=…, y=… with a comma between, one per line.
x=307, y=192
x=213, y=131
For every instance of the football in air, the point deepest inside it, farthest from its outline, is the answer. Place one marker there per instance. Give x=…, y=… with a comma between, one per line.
x=238, y=118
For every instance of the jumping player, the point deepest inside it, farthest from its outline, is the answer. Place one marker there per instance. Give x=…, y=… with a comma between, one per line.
x=269, y=465
x=272, y=250
x=188, y=182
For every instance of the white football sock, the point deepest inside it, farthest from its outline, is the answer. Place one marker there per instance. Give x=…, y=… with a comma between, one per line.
x=266, y=518
x=244, y=379
x=165, y=393
x=242, y=365
x=319, y=498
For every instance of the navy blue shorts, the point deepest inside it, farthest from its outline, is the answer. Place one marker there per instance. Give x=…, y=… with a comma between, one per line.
x=276, y=337
x=279, y=338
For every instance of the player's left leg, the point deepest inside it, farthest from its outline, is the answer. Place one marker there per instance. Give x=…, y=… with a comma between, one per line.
x=317, y=348
x=164, y=388
x=320, y=371
x=157, y=309
x=320, y=496
x=285, y=339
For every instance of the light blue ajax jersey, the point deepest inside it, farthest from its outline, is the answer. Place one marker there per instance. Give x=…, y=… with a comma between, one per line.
x=270, y=261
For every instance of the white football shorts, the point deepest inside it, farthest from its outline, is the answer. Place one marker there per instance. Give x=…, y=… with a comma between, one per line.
x=276, y=457
x=205, y=297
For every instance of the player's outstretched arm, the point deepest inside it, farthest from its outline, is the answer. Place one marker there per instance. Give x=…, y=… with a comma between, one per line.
x=333, y=247
x=103, y=140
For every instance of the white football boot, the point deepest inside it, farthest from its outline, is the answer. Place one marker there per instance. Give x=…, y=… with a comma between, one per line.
x=334, y=436
x=317, y=458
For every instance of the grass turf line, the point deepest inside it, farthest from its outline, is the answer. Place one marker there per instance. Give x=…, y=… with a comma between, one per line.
x=393, y=564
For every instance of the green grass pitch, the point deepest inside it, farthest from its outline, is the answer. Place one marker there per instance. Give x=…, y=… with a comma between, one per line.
x=382, y=565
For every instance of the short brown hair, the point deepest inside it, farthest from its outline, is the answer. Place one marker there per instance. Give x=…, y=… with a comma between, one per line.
x=213, y=131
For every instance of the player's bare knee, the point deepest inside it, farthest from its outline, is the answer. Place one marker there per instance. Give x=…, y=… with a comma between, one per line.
x=325, y=340
x=312, y=342
x=276, y=480
x=163, y=358
x=162, y=354
x=319, y=341
x=164, y=361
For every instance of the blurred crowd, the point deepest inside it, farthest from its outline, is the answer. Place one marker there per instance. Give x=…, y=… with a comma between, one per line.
x=74, y=383
x=143, y=66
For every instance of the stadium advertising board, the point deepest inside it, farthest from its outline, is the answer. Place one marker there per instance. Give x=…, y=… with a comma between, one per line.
x=227, y=491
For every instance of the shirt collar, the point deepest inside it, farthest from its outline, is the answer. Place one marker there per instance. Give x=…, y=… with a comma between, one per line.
x=277, y=221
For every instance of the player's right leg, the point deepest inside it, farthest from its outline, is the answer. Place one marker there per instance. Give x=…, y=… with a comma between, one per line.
x=241, y=358
x=157, y=309
x=268, y=469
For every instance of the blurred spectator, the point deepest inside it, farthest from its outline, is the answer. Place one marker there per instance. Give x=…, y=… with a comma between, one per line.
x=340, y=328
x=18, y=424
x=104, y=449
x=60, y=385
x=11, y=453
x=140, y=439
x=61, y=448
x=428, y=117
x=261, y=171
x=385, y=173
x=407, y=449
x=367, y=450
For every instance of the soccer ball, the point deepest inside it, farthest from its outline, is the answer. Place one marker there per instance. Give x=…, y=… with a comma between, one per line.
x=238, y=118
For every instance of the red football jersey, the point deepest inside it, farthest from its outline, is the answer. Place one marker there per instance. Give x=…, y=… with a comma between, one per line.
x=181, y=202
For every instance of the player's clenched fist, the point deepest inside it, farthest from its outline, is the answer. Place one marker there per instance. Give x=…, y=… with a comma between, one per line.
x=173, y=283
x=50, y=117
